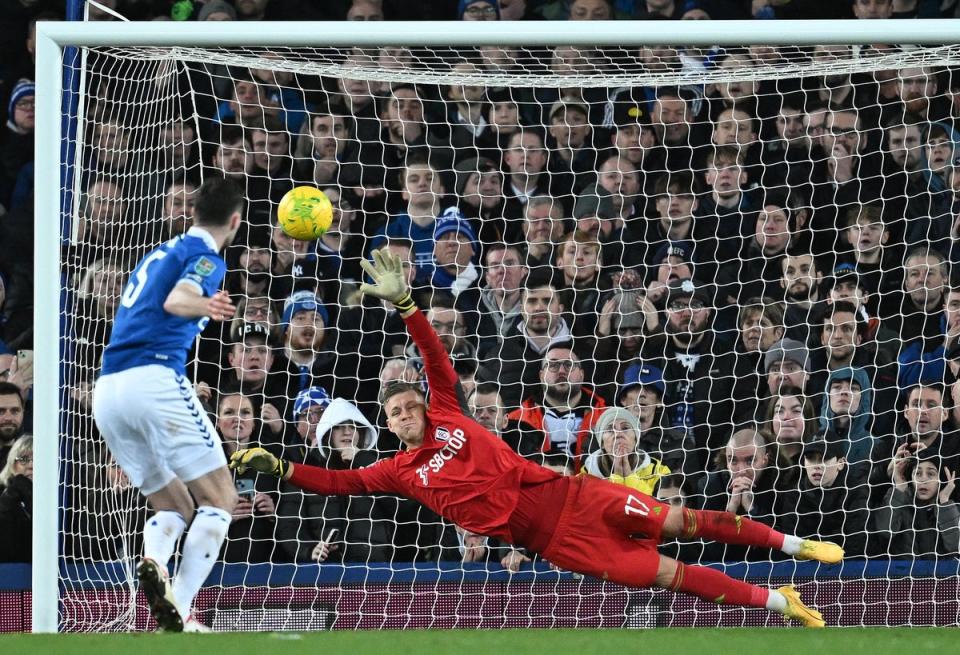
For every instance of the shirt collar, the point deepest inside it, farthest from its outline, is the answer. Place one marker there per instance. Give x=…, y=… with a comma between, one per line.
x=205, y=236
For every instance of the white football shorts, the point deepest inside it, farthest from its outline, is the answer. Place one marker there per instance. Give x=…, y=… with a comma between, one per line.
x=155, y=427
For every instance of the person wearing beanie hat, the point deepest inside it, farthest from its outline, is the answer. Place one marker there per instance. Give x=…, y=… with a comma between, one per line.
x=16, y=142
x=217, y=10
x=618, y=459
x=454, y=251
x=587, y=525
x=478, y=10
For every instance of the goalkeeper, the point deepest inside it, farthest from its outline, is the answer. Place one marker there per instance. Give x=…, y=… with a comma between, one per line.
x=583, y=524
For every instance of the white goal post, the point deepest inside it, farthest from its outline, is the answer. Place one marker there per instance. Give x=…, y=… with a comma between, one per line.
x=53, y=38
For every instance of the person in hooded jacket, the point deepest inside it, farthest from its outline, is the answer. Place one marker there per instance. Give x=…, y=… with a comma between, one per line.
x=618, y=459
x=848, y=410
x=317, y=528
x=830, y=499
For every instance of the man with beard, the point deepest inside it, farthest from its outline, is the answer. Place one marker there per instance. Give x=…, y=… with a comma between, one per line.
x=918, y=89
x=516, y=362
x=909, y=189
x=11, y=417
x=316, y=352
x=697, y=399
x=561, y=420
x=800, y=282
x=495, y=309
x=250, y=262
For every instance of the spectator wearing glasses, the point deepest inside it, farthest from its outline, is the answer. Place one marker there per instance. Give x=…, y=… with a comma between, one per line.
x=16, y=503
x=477, y=10
x=561, y=415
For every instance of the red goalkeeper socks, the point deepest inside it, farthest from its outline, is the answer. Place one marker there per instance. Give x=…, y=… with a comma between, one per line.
x=717, y=587
x=729, y=529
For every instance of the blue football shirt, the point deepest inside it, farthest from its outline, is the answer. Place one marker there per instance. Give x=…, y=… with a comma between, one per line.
x=143, y=332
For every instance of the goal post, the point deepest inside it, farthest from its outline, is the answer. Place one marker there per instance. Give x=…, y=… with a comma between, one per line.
x=226, y=39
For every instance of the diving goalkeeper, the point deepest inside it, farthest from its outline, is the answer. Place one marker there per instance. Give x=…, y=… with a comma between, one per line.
x=583, y=524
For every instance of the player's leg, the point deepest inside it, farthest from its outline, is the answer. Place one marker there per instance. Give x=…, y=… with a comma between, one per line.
x=122, y=406
x=174, y=507
x=216, y=497
x=717, y=587
x=728, y=528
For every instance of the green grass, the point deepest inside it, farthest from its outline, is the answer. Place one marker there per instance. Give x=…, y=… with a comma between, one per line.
x=677, y=641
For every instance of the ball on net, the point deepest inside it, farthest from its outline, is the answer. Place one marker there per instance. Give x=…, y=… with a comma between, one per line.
x=305, y=213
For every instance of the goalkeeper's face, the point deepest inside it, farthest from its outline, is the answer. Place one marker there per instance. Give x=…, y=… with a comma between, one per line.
x=406, y=417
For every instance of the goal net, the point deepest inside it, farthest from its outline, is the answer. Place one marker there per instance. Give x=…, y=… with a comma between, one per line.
x=748, y=248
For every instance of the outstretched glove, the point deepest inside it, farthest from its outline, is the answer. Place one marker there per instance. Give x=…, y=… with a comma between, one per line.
x=259, y=460
x=390, y=282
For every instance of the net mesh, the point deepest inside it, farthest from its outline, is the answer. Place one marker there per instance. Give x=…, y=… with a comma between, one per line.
x=676, y=212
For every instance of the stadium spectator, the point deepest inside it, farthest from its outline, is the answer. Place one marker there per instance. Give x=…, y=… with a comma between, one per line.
x=422, y=191
x=571, y=140
x=692, y=363
x=315, y=350
x=177, y=209
x=847, y=412
x=217, y=10
x=103, y=222
x=579, y=265
x=271, y=157
x=516, y=363
x=789, y=420
x=641, y=394
x=335, y=264
x=676, y=207
x=525, y=165
x=495, y=309
x=744, y=485
x=618, y=457
x=471, y=10
x=830, y=500
x=543, y=230
x=250, y=263
x=760, y=324
x=12, y=406
x=334, y=528
x=722, y=214
x=16, y=142
x=800, y=285
x=672, y=117
x=561, y=416
x=917, y=315
x=327, y=154
x=16, y=503
x=480, y=191
x=925, y=427
x=871, y=253
x=468, y=132
x=455, y=249
x=787, y=363
x=251, y=369
x=365, y=10
x=918, y=517
x=98, y=294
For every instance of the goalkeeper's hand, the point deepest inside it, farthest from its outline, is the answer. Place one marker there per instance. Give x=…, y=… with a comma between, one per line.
x=390, y=283
x=259, y=460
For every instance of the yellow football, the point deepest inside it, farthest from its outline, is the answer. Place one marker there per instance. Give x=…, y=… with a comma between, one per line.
x=305, y=213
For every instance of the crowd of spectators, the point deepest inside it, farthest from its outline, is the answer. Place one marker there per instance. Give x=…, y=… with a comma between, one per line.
x=735, y=296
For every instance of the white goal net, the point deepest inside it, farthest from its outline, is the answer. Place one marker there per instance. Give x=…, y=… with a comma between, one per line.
x=748, y=248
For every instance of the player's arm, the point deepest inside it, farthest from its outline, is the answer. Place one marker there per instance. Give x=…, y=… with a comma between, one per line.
x=187, y=301
x=376, y=478
x=391, y=285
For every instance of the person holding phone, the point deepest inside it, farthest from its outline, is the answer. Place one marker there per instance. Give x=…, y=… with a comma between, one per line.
x=460, y=470
x=251, y=535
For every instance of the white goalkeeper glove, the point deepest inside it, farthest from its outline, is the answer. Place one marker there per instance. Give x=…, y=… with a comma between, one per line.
x=390, y=283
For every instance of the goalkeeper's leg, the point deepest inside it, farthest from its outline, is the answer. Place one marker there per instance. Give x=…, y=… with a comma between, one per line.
x=716, y=587
x=729, y=528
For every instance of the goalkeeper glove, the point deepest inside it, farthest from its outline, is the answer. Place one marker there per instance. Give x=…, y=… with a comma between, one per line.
x=259, y=460
x=390, y=282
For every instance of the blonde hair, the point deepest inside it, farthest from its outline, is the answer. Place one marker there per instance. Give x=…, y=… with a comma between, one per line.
x=85, y=285
x=22, y=445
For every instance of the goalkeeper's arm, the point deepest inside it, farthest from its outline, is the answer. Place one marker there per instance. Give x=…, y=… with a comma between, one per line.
x=378, y=477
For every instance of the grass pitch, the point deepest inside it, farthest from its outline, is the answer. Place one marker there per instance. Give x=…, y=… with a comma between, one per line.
x=675, y=641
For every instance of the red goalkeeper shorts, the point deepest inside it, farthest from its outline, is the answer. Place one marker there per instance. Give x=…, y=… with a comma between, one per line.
x=608, y=531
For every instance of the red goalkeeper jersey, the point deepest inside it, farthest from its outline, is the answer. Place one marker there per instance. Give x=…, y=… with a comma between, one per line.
x=462, y=471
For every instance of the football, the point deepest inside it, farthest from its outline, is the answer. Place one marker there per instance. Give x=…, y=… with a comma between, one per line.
x=305, y=213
